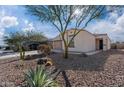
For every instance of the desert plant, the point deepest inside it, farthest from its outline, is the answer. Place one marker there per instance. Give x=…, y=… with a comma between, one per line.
x=45, y=49
x=16, y=40
x=39, y=78
x=22, y=52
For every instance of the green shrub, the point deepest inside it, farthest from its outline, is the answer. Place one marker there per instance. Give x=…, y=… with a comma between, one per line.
x=39, y=78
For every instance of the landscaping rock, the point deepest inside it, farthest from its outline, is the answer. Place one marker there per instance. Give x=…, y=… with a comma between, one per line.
x=105, y=69
x=41, y=61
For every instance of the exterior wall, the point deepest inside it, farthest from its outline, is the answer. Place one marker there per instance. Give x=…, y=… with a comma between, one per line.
x=97, y=44
x=57, y=44
x=83, y=42
x=109, y=44
x=106, y=42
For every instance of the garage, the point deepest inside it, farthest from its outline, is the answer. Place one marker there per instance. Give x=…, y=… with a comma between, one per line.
x=57, y=44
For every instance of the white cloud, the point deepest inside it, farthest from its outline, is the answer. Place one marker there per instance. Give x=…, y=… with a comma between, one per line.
x=120, y=21
x=113, y=16
x=6, y=22
x=26, y=22
x=2, y=13
x=9, y=21
x=101, y=27
x=114, y=30
x=28, y=26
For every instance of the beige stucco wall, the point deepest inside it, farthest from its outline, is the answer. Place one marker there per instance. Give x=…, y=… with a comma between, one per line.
x=83, y=42
x=106, y=41
x=97, y=44
x=86, y=41
x=57, y=44
x=109, y=44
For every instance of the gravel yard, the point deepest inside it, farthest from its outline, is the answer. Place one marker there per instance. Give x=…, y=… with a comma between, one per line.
x=11, y=74
x=105, y=69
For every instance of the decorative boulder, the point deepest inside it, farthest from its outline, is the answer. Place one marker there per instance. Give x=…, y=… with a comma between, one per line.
x=49, y=63
x=45, y=61
x=41, y=61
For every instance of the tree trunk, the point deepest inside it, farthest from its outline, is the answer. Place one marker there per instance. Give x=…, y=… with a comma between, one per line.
x=65, y=47
x=66, y=52
x=22, y=53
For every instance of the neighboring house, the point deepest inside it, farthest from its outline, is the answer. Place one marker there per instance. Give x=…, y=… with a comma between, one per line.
x=32, y=45
x=83, y=42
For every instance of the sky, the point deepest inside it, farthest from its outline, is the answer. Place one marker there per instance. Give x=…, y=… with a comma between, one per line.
x=16, y=18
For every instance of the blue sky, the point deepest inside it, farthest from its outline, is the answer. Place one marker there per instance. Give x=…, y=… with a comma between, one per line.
x=16, y=18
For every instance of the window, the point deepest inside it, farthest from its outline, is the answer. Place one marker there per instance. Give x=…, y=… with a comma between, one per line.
x=72, y=42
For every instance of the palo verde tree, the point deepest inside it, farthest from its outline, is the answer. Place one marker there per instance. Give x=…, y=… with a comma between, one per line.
x=62, y=16
x=16, y=40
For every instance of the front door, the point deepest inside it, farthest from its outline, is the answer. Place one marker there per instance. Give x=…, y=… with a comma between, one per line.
x=100, y=44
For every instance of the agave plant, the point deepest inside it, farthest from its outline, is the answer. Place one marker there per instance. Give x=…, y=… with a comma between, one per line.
x=39, y=78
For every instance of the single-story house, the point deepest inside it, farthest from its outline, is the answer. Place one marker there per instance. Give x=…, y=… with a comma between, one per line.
x=83, y=42
x=32, y=45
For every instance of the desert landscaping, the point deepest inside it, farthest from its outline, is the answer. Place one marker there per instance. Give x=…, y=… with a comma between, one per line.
x=61, y=46
x=102, y=69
